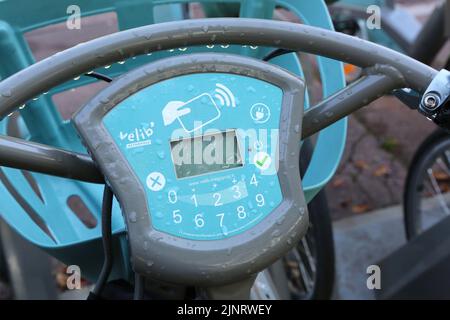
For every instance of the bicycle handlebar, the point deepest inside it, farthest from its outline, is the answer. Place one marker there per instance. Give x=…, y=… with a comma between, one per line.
x=85, y=57
x=385, y=69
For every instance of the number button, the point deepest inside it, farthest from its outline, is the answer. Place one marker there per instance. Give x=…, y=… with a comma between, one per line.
x=199, y=221
x=217, y=196
x=237, y=192
x=241, y=212
x=253, y=180
x=172, y=196
x=220, y=216
x=260, y=201
x=177, y=218
x=194, y=199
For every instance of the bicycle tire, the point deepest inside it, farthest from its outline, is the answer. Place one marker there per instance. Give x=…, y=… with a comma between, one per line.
x=411, y=196
x=322, y=234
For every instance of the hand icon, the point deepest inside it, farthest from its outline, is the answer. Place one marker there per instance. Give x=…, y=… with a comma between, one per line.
x=172, y=111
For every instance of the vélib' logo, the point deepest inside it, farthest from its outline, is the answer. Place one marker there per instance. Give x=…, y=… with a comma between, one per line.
x=138, y=137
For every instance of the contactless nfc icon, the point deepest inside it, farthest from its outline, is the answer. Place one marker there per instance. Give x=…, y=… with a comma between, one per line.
x=200, y=110
x=225, y=96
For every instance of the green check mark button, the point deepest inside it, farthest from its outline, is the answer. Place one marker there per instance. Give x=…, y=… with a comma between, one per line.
x=262, y=160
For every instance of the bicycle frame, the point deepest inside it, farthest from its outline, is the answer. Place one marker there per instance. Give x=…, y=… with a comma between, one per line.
x=385, y=70
x=422, y=42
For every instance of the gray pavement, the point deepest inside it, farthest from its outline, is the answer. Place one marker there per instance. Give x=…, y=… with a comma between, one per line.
x=361, y=241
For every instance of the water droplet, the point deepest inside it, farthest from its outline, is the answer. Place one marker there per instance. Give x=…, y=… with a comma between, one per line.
x=161, y=154
x=253, y=47
x=121, y=62
x=104, y=100
x=108, y=66
x=35, y=98
x=275, y=233
x=210, y=46
x=132, y=216
x=182, y=49
x=22, y=106
x=280, y=220
x=224, y=230
x=9, y=115
x=159, y=215
x=77, y=78
x=225, y=46
x=7, y=93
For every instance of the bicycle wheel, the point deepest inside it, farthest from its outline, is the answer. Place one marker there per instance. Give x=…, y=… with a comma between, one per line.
x=427, y=190
x=307, y=271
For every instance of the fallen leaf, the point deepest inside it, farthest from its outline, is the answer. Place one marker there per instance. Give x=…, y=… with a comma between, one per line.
x=361, y=164
x=360, y=208
x=440, y=175
x=337, y=182
x=382, y=170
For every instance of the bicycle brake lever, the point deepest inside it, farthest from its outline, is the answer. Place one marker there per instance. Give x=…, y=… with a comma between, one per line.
x=435, y=103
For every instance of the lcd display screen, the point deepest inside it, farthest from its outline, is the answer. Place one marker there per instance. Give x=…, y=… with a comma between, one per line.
x=205, y=154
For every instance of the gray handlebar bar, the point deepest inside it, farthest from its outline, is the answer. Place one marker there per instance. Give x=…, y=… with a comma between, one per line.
x=85, y=57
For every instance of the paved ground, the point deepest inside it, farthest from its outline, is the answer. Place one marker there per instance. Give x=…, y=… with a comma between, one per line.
x=361, y=241
x=382, y=139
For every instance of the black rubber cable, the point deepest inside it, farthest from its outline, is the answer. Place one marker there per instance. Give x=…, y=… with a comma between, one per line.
x=139, y=286
x=107, y=244
x=276, y=53
x=98, y=76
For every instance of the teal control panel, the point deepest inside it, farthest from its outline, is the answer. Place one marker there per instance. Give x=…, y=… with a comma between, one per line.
x=204, y=146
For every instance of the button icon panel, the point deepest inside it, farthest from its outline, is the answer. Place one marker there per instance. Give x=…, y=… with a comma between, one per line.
x=156, y=181
x=260, y=113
